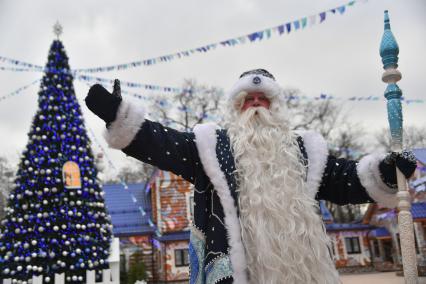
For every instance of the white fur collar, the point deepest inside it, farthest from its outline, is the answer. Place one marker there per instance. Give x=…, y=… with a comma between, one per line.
x=206, y=144
x=317, y=151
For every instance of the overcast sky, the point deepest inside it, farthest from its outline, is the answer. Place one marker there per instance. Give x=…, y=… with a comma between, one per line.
x=339, y=56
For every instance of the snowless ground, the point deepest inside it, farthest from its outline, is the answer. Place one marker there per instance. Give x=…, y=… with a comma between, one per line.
x=376, y=278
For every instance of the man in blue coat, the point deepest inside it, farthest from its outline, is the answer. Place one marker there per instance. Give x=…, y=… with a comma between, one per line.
x=257, y=183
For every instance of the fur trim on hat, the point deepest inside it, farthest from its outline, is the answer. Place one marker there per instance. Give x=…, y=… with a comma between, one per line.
x=254, y=83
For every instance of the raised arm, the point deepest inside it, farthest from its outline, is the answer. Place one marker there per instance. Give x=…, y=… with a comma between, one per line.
x=147, y=141
x=372, y=179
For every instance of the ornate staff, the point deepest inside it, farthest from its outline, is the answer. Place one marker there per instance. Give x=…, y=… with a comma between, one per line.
x=389, y=52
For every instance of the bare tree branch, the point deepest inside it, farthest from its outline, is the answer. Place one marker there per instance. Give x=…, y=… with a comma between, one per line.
x=190, y=107
x=414, y=137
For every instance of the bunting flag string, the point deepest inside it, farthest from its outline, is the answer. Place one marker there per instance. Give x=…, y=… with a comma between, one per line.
x=352, y=99
x=321, y=97
x=35, y=68
x=16, y=69
x=45, y=70
x=265, y=34
x=109, y=82
x=149, y=87
x=19, y=63
x=161, y=103
x=135, y=95
x=292, y=97
x=89, y=78
x=19, y=90
x=252, y=37
x=124, y=184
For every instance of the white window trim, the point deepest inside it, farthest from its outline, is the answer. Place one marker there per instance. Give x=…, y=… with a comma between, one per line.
x=188, y=196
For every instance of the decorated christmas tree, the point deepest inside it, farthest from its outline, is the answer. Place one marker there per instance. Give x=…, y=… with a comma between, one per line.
x=56, y=220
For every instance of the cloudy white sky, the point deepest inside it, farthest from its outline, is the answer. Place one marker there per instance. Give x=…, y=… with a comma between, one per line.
x=338, y=57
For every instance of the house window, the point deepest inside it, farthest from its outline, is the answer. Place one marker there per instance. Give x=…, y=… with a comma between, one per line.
x=376, y=249
x=352, y=245
x=424, y=230
x=332, y=249
x=181, y=257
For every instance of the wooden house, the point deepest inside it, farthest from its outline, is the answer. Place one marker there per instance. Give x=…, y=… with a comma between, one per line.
x=130, y=209
x=153, y=222
x=349, y=241
x=385, y=241
x=172, y=199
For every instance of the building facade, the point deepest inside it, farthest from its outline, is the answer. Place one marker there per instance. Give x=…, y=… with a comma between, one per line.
x=172, y=199
x=129, y=206
x=153, y=221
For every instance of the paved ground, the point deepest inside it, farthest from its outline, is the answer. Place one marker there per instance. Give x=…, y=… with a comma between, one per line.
x=376, y=278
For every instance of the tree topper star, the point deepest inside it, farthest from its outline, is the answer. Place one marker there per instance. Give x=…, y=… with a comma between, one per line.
x=57, y=29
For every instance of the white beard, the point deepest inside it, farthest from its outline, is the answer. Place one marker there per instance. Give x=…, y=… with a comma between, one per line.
x=282, y=231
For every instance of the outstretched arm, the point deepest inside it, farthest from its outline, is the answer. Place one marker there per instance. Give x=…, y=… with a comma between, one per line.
x=147, y=141
x=341, y=184
x=372, y=179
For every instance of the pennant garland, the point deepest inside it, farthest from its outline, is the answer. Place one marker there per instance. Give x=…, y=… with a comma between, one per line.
x=108, y=82
x=248, y=38
x=96, y=79
x=161, y=103
x=15, y=69
x=19, y=63
x=19, y=90
x=135, y=95
x=149, y=87
x=124, y=184
x=268, y=33
x=361, y=98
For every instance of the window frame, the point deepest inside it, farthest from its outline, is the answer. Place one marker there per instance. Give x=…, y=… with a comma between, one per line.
x=183, y=261
x=351, y=248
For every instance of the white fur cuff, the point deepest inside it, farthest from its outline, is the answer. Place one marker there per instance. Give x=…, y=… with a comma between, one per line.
x=126, y=125
x=369, y=175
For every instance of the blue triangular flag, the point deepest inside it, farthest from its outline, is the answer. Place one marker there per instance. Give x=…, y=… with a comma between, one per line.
x=304, y=22
x=288, y=26
x=322, y=17
x=296, y=24
x=341, y=9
